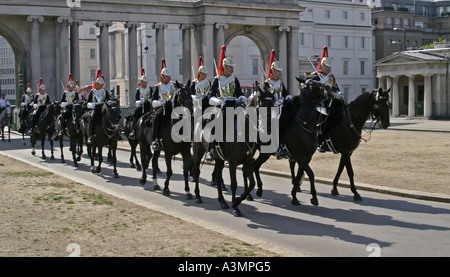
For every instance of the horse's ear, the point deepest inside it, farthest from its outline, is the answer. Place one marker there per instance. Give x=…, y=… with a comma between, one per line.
x=177, y=85
x=388, y=90
x=188, y=83
x=260, y=90
x=266, y=86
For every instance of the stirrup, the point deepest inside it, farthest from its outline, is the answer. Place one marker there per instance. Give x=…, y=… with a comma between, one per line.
x=209, y=156
x=155, y=146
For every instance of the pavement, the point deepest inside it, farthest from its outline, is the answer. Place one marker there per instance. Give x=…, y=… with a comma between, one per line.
x=419, y=124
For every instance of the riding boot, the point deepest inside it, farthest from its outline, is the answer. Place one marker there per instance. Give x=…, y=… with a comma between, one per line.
x=132, y=134
x=91, y=132
x=282, y=152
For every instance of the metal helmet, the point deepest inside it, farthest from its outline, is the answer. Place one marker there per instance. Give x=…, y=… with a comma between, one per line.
x=42, y=87
x=228, y=62
x=326, y=62
x=203, y=69
x=165, y=71
x=276, y=65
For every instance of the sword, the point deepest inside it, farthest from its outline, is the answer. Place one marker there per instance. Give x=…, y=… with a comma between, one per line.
x=215, y=67
x=320, y=77
x=262, y=69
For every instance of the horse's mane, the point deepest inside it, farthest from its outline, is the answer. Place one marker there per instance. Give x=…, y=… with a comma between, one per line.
x=361, y=100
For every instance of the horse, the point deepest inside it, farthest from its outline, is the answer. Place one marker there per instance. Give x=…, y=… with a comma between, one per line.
x=238, y=151
x=345, y=129
x=45, y=125
x=5, y=121
x=181, y=101
x=24, y=117
x=107, y=133
x=72, y=130
x=298, y=122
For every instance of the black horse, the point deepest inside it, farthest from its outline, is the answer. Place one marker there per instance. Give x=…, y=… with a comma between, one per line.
x=181, y=101
x=107, y=133
x=298, y=123
x=238, y=150
x=346, y=123
x=5, y=121
x=72, y=131
x=45, y=125
x=24, y=118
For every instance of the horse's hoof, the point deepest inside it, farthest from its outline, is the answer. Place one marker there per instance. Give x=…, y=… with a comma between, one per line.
x=142, y=181
x=156, y=187
x=357, y=197
x=189, y=196
x=249, y=197
x=198, y=200
x=314, y=201
x=116, y=175
x=138, y=168
x=224, y=188
x=79, y=159
x=132, y=166
x=259, y=192
x=237, y=213
x=93, y=170
x=33, y=153
x=334, y=192
x=166, y=192
x=75, y=164
x=43, y=157
x=52, y=157
x=224, y=206
x=295, y=202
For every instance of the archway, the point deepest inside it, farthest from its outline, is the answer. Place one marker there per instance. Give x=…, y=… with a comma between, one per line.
x=13, y=71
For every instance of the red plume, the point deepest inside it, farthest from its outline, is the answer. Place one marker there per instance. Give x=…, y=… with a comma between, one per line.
x=142, y=72
x=68, y=80
x=273, y=57
x=98, y=75
x=163, y=65
x=200, y=63
x=324, y=54
x=222, y=56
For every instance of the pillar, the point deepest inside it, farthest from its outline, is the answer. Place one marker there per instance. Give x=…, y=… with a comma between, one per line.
x=293, y=65
x=63, y=49
x=160, y=49
x=220, y=38
x=395, y=96
x=104, y=50
x=427, y=101
x=207, y=47
x=186, y=45
x=35, y=52
x=411, y=96
x=283, y=50
x=75, y=49
x=132, y=60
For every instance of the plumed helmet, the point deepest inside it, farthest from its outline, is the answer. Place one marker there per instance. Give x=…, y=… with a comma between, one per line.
x=326, y=62
x=165, y=71
x=99, y=78
x=77, y=87
x=29, y=88
x=324, y=55
x=201, y=67
x=42, y=87
x=228, y=62
x=143, y=77
x=70, y=83
x=276, y=65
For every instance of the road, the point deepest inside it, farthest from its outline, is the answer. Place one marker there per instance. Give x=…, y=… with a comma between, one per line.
x=381, y=224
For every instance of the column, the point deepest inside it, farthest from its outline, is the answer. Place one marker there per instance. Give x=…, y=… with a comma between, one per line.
x=112, y=55
x=160, y=49
x=389, y=86
x=395, y=96
x=293, y=54
x=411, y=96
x=283, y=50
x=187, y=66
x=132, y=60
x=75, y=49
x=220, y=38
x=104, y=50
x=35, y=52
x=427, y=101
x=64, y=55
x=207, y=47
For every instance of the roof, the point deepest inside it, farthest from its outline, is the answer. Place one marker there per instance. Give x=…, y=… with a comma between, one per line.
x=416, y=56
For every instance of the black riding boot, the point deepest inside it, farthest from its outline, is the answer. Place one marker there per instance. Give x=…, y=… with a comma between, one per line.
x=209, y=154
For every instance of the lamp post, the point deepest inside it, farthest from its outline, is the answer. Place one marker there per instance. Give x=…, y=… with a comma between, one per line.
x=399, y=43
x=404, y=36
x=147, y=36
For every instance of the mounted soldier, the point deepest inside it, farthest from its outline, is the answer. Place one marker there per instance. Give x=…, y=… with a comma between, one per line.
x=78, y=90
x=279, y=91
x=200, y=86
x=69, y=96
x=161, y=102
x=323, y=74
x=225, y=90
x=97, y=96
x=40, y=101
x=143, y=104
x=26, y=104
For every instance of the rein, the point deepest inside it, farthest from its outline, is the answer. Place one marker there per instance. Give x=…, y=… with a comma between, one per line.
x=113, y=131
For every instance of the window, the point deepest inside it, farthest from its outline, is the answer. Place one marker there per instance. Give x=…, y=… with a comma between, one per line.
x=93, y=73
x=345, y=15
x=301, y=39
x=180, y=66
x=363, y=90
x=327, y=13
x=362, y=67
x=363, y=42
x=328, y=41
x=362, y=16
x=92, y=53
x=255, y=66
x=345, y=41
x=345, y=68
x=92, y=31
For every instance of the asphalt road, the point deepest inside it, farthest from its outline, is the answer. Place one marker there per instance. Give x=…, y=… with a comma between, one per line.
x=380, y=225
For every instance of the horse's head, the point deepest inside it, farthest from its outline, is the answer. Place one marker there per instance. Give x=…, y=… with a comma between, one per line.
x=264, y=97
x=380, y=108
x=77, y=112
x=314, y=91
x=112, y=111
x=182, y=97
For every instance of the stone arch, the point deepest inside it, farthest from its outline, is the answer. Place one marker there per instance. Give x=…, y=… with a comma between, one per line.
x=20, y=57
